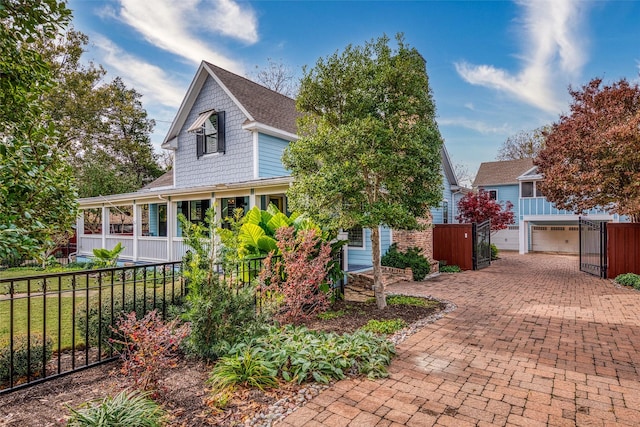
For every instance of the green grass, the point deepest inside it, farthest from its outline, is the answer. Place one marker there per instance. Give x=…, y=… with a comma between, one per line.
x=406, y=300
x=37, y=323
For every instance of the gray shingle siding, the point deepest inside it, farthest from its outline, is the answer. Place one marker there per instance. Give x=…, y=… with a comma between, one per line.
x=235, y=165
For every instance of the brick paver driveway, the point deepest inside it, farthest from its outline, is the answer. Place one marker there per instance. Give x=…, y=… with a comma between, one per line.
x=533, y=341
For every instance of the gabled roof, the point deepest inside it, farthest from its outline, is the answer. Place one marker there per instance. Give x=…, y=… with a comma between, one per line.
x=502, y=172
x=263, y=107
x=448, y=167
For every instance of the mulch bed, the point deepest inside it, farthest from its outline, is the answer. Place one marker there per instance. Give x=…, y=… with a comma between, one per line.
x=186, y=397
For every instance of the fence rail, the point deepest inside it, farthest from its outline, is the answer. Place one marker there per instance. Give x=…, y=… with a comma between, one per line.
x=55, y=324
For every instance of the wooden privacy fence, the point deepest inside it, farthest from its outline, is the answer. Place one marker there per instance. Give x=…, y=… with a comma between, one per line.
x=623, y=248
x=453, y=244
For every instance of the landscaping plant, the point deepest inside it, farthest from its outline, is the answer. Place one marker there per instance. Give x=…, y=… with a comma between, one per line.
x=450, y=269
x=27, y=356
x=384, y=326
x=149, y=347
x=127, y=408
x=105, y=258
x=412, y=258
x=629, y=279
x=300, y=275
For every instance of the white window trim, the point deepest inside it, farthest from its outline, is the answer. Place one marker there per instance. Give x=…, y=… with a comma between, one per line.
x=364, y=241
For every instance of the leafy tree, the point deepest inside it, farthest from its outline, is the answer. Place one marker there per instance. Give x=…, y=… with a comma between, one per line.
x=369, y=147
x=37, y=192
x=592, y=155
x=523, y=145
x=479, y=207
x=103, y=124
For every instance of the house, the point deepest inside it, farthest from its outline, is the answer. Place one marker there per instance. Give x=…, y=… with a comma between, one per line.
x=539, y=225
x=227, y=139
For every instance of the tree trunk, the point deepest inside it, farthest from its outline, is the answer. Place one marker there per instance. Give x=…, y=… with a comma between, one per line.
x=378, y=286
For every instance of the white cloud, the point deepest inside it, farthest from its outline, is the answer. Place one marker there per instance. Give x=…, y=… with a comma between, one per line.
x=469, y=106
x=553, y=55
x=476, y=125
x=152, y=81
x=187, y=27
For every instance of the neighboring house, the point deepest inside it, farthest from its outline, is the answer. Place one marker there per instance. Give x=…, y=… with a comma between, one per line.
x=227, y=139
x=539, y=225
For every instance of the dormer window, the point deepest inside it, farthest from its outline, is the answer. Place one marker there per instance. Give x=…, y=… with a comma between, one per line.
x=210, y=132
x=530, y=189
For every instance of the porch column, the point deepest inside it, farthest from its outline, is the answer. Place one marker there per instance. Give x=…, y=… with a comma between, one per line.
x=136, y=230
x=172, y=220
x=105, y=225
x=523, y=241
x=254, y=200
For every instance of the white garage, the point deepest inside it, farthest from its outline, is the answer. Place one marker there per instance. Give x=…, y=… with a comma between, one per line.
x=507, y=239
x=563, y=238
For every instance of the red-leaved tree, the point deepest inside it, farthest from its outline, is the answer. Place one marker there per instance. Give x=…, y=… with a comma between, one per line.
x=479, y=207
x=592, y=155
x=299, y=274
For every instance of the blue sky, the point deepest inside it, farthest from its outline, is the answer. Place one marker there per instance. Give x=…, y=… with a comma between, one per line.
x=495, y=67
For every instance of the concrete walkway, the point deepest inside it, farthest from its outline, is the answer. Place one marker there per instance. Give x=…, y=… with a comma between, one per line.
x=532, y=342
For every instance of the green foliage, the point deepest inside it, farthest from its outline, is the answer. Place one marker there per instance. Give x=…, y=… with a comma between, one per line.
x=23, y=355
x=629, y=279
x=247, y=368
x=407, y=300
x=384, y=326
x=37, y=190
x=450, y=269
x=220, y=313
x=328, y=315
x=98, y=320
x=494, y=252
x=128, y=408
x=412, y=258
x=105, y=258
x=369, y=152
x=302, y=355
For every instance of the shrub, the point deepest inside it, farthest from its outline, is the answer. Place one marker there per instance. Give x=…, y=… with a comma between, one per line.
x=99, y=319
x=125, y=409
x=149, y=347
x=328, y=315
x=407, y=300
x=248, y=368
x=412, y=258
x=300, y=275
x=302, y=355
x=450, y=269
x=384, y=326
x=494, y=252
x=23, y=356
x=629, y=279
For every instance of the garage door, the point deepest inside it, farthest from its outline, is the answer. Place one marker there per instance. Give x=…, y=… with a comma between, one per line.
x=556, y=238
x=506, y=240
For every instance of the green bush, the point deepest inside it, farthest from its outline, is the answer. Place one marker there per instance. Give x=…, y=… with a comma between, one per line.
x=125, y=409
x=99, y=319
x=629, y=279
x=494, y=252
x=412, y=258
x=299, y=354
x=384, y=326
x=248, y=368
x=450, y=269
x=39, y=347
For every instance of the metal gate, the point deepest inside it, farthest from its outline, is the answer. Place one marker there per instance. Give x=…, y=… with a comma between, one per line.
x=593, y=247
x=481, y=245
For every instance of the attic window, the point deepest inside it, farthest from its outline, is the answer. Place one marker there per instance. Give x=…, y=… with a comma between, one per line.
x=210, y=132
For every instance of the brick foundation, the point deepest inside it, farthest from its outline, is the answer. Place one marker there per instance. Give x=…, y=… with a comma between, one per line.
x=422, y=239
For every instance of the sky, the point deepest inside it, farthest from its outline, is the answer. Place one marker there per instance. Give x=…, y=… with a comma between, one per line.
x=495, y=67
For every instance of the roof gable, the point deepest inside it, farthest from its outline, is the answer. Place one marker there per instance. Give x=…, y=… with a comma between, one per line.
x=502, y=172
x=258, y=103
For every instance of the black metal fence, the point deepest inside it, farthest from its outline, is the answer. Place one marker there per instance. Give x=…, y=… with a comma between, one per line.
x=55, y=324
x=481, y=244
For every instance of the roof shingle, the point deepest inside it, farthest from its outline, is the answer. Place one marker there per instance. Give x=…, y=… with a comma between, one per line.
x=265, y=105
x=502, y=172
